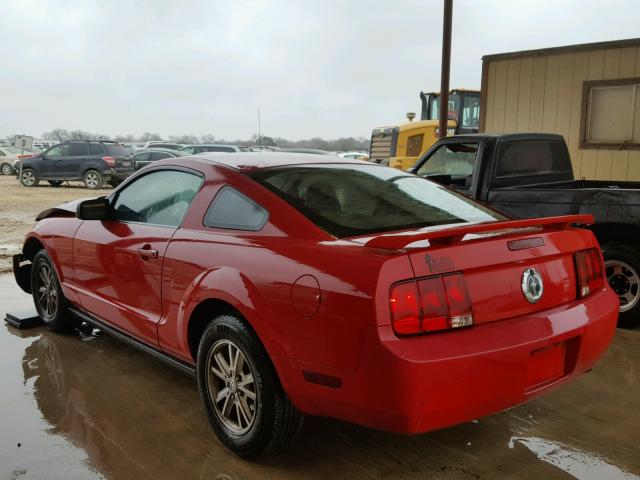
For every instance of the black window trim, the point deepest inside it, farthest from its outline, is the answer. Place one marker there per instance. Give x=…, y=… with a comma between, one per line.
x=113, y=196
x=223, y=187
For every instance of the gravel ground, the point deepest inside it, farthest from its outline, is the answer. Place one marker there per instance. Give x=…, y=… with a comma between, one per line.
x=19, y=207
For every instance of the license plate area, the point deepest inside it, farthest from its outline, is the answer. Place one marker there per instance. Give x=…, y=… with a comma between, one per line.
x=546, y=365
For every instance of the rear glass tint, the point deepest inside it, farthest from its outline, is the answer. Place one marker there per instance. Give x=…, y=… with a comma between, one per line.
x=347, y=200
x=118, y=150
x=532, y=157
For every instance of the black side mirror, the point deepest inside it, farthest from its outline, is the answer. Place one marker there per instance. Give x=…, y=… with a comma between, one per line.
x=94, y=209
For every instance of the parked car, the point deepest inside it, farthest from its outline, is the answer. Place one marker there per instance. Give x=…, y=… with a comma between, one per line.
x=146, y=156
x=9, y=158
x=195, y=149
x=305, y=150
x=354, y=155
x=160, y=144
x=530, y=175
x=293, y=285
x=94, y=163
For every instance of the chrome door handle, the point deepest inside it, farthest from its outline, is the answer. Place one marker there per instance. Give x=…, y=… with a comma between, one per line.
x=147, y=253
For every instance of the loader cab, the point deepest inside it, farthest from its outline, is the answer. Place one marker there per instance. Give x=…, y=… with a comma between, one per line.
x=464, y=109
x=400, y=146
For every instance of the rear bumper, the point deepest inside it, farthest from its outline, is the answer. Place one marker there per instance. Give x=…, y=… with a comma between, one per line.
x=423, y=383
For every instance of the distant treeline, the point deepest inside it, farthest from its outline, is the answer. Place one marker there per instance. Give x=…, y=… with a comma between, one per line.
x=340, y=144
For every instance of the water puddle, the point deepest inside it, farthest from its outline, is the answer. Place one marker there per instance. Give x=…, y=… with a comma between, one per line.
x=581, y=465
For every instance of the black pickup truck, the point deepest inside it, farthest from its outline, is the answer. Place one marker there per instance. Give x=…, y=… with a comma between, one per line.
x=530, y=175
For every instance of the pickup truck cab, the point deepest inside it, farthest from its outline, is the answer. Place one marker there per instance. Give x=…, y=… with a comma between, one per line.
x=527, y=175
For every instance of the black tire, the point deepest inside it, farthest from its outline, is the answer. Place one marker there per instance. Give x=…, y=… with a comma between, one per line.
x=28, y=178
x=275, y=421
x=55, y=183
x=92, y=179
x=47, y=295
x=6, y=169
x=622, y=270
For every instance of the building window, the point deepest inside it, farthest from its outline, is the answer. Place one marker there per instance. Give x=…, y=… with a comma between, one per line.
x=611, y=114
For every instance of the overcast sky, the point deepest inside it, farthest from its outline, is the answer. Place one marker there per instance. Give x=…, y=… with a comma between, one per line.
x=315, y=68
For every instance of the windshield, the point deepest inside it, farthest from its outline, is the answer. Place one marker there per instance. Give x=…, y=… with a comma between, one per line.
x=15, y=150
x=347, y=200
x=455, y=159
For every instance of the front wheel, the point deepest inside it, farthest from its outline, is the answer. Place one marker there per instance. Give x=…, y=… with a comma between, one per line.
x=6, y=169
x=622, y=269
x=245, y=403
x=92, y=179
x=28, y=178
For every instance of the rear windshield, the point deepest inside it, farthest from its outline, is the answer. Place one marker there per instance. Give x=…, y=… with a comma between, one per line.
x=118, y=150
x=347, y=200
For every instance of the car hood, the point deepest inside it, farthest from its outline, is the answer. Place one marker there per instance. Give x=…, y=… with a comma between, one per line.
x=65, y=210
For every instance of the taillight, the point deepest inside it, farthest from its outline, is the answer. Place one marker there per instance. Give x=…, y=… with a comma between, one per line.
x=405, y=308
x=589, y=271
x=430, y=305
x=110, y=161
x=26, y=155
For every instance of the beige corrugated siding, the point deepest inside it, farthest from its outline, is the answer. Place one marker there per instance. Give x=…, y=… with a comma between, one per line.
x=543, y=93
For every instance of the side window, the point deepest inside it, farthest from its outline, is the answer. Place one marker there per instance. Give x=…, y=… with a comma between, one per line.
x=158, y=198
x=95, y=149
x=142, y=156
x=189, y=150
x=231, y=209
x=159, y=156
x=59, y=150
x=455, y=159
x=78, y=150
x=414, y=145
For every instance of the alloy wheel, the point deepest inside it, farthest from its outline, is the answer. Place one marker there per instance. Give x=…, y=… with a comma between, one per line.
x=91, y=179
x=231, y=387
x=7, y=169
x=625, y=281
x=47, y=291
x=28, y=178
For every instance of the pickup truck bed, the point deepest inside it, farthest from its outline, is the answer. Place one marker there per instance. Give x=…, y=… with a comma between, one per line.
x=530, y=175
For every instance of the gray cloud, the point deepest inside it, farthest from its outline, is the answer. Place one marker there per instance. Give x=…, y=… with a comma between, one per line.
x=315, y=68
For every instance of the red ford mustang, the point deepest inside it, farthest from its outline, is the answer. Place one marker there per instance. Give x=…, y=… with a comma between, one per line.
x=311, y=284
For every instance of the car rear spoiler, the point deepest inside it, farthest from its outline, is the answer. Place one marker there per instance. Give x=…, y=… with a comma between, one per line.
x=452, y=235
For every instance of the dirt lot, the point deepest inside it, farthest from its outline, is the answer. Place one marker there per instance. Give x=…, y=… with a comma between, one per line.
x=19, y=207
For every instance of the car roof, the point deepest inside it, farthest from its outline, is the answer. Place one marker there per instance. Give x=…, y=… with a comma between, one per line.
x=253, y=160
x=211, y=145
x=160, y=149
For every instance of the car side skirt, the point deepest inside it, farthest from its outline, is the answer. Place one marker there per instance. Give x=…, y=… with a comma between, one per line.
x=119, y=335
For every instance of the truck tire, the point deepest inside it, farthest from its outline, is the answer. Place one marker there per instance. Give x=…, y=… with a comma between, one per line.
x=92, y=179
x=244, y=400
x=28, y=178
x=622, y=270
x=47, y=295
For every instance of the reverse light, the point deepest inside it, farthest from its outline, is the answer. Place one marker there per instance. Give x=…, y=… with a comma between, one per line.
x=430, y=305
x=589, y=271
x=110, y=161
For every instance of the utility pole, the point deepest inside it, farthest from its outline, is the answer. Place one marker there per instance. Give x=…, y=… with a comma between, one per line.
x=445, y=69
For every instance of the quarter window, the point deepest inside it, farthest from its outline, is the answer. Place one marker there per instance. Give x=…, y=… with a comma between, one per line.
x=159, y=198
x=95, y=149
x=234, y=210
